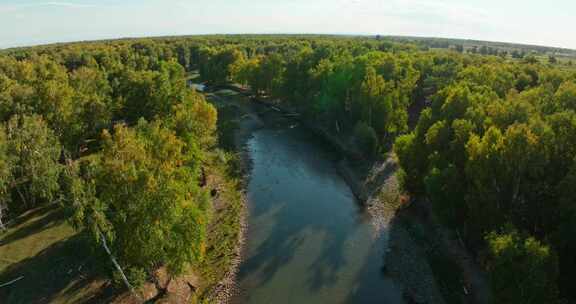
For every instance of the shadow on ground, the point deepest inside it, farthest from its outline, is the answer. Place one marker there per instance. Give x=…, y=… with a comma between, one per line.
x=66, y=271
x=48, y=217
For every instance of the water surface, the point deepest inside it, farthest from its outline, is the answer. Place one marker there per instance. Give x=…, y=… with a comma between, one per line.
x=308, y=240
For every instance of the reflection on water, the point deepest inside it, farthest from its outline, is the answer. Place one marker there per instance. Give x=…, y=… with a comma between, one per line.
x=308, y=241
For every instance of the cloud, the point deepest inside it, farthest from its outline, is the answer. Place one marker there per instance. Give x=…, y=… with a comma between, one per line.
x=67, y=4
x=454, y=12
x=7, y=8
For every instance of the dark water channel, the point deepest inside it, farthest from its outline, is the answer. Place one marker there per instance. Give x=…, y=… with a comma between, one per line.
x=308, y=240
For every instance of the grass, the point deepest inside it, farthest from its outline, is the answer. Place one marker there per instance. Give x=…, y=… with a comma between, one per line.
x=53, y=259
x=31, y=233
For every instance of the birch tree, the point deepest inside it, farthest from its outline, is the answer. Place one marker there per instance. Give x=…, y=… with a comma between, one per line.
x=141, y=201
x=35, y=151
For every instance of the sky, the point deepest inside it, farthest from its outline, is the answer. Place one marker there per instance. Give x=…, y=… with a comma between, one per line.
x=30, y=22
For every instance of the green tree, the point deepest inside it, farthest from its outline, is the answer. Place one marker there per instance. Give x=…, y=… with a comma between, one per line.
x=144, y=199
x=372, y=91
x=522, y=269
x=35, y=150
x=459, y=48
x=552, y=59
x=94, y=107
x=151, y=94
x=6, y=164
x=366, y=138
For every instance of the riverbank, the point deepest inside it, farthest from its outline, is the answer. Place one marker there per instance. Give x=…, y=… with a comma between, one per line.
x=407, y=258
x=426, y=257
x=236, y=122
x=227, y=234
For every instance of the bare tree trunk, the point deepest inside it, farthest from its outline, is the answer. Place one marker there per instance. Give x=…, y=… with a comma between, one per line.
x=113, y=259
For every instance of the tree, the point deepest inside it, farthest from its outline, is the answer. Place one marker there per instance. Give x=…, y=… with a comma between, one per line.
x=500, y=168
x=413, y=162
x=552, y=59
x=271, y=74
x=151, y=94
x=565, y=97
x=194, y=122
x=143, y=198
x=6, y=163
x=35, y=150
x=219, y=65
x=372, y=91
x=94, y=107
x=245, y=72
x=522, y=269
x=366, y=138
x=530, y=59
x=517, y=55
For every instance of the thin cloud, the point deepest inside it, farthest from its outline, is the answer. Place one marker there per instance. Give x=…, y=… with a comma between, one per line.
x=67, y=4
x=18, y=7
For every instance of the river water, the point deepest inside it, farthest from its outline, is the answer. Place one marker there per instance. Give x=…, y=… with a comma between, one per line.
x=308, y=240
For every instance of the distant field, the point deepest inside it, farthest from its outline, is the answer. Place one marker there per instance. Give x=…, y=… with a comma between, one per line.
x=562, y=54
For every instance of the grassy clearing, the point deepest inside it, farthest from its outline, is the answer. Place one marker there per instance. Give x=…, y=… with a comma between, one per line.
x=31, y=233
x=54, y=260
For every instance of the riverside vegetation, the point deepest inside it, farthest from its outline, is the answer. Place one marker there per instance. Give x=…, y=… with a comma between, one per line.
x=111, y=132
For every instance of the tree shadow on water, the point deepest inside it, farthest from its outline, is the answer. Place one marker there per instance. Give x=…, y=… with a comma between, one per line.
x=373, y=284
x=278, y=250
x=325, y=269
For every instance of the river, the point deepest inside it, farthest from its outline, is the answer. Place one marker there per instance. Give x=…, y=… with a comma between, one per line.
x=308, y=240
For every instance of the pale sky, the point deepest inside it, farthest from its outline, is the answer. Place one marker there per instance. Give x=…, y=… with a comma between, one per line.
x=550, y=22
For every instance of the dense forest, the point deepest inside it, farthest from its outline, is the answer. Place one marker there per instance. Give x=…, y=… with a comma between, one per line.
x=111, y=131
x=114, y=135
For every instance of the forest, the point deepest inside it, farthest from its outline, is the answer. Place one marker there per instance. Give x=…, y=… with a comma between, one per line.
x=111, y=132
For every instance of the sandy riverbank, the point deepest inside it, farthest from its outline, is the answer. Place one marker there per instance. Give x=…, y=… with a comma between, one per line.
x=246, y=121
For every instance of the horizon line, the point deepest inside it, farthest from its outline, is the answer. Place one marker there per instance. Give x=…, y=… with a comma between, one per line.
x=129, y=37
